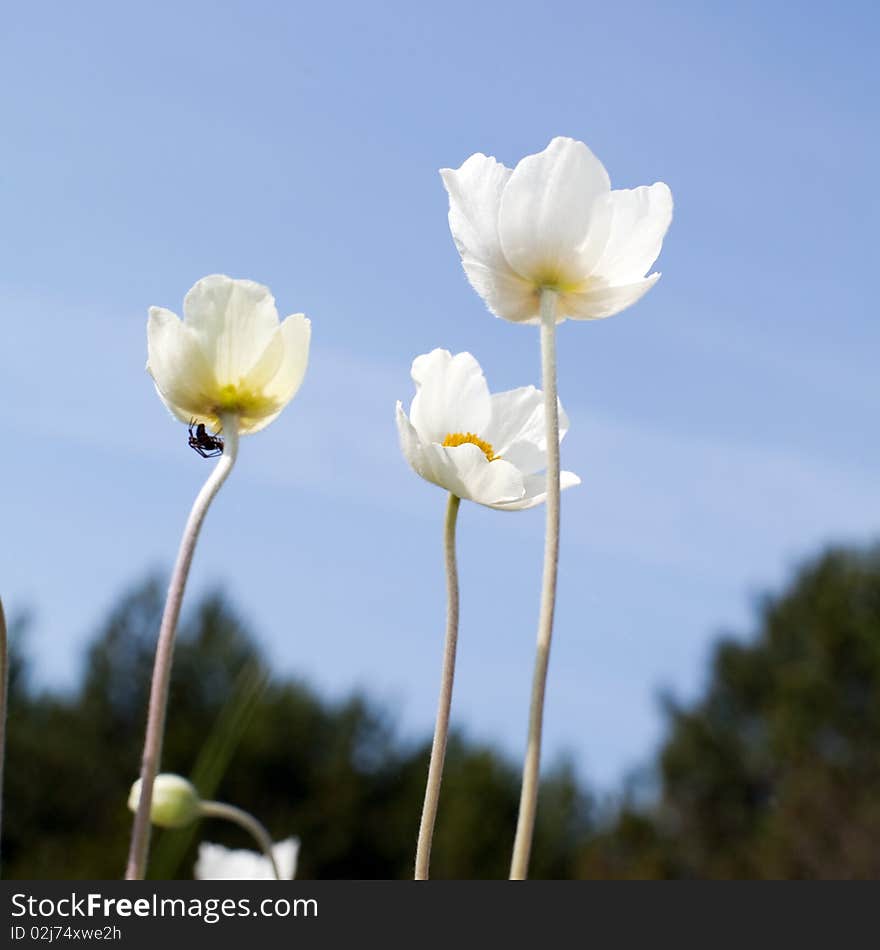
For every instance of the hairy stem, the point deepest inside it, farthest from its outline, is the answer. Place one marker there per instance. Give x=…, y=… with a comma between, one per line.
x=140, y=833
x=447, y=676
x=246, y=821
x=525, y=826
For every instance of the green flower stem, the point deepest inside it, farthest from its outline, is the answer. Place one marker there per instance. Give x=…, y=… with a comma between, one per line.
x=140, y=834
x=246, y=821
x=525, y=826
x=447, y=676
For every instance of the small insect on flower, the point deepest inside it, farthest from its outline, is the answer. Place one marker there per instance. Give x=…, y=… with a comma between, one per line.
x=207, y=445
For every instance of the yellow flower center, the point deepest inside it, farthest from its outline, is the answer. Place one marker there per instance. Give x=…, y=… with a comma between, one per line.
x=244, y=401
x=552, y=277
x=460, y=438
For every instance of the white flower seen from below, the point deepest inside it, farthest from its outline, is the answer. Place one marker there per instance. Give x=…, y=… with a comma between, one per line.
x=216, y=863
x=230, y=364
x=546, y=241
x=491, y=449
x=229, y=356
x=554, y=223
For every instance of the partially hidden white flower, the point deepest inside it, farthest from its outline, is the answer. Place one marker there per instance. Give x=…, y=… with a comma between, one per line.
x=229, y=355
x=216, y=863
x=174, y=804
x=491, y=449
x=553, y=222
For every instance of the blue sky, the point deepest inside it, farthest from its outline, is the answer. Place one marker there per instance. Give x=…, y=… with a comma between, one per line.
x=724, y=428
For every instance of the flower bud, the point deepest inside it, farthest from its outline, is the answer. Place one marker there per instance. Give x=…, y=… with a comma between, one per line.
x=175, y=801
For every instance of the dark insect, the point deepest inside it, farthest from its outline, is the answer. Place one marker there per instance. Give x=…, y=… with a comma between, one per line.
x=207, y=445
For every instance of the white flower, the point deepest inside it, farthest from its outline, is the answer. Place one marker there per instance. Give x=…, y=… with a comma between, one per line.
x=175, y=802
x=216, y=863
x=488, y=448
x=229, y=354
x=553, y=222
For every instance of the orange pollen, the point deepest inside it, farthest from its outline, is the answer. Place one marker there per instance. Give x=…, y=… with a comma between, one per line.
x=460, y=438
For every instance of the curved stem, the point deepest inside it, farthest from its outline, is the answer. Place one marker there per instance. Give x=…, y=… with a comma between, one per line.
x=4, y=691
x=140, y=833
x=246, y=821
x=525, y=826
x=441, y=729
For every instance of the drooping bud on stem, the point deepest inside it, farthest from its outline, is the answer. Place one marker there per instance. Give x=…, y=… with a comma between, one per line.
x=175, y=802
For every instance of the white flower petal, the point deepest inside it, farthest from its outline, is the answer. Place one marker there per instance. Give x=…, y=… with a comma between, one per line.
x=249, y=423
x=234, y=322
x=295, y=334
x=536, y=491
x=474, y=200
x=604, y=301
x=527, y=457
x=474, y=192
x=506, y=294
x=217, y=863
x=182, y=415
x=266, y=368
x=517, y=431
x=516, y=414
x=512, y=411
x=286, y=854
x=410, y=444
x=547, y=210
x=178, y=366
x=640, y=220
x=452, y=395
x=464, y=470
x=590, y=251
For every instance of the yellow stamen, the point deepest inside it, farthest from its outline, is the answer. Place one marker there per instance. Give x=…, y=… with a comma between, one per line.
x=244, y=401
x=460, y=438
x=552, y=277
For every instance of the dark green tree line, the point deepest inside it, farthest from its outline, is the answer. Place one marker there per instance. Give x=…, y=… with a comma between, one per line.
x=335, y=774
x=774, y=772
